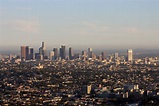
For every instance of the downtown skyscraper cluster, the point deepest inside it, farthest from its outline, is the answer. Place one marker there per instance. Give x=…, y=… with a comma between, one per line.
x=27, y=53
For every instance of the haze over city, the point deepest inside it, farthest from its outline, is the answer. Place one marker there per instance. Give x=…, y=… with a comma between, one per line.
x=117, y=24
x=79, y=52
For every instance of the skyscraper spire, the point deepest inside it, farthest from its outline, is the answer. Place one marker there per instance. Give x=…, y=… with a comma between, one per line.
x=43, y=46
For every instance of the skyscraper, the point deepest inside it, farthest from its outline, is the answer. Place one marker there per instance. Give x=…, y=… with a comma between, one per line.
x=129, y=55
x=70, y=53
x=115, y=56
x=84, y=53
x=23, y=52
x=90, y=53
x=43, y=45
x=42, y=51
x=27, y=53
x=55, y=53
x=62, y=52
x=103, y=55
x=31, y=53
x=51, y=55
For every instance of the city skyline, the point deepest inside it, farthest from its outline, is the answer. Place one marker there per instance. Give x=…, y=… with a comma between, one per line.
x=118, y=24
x=27, y=53
x=79, y=52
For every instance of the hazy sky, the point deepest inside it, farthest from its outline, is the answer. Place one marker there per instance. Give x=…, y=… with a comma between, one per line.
x=80, y=23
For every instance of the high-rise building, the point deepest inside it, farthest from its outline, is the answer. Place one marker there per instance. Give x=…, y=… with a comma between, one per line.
x=129, y=55
x=31, y=53
x=103, y=55
x=51, y=55
x=115, y=56
x=55, y=53
x=37, y=56
x=43, y=45
x=84, y=53
x=23, y=52
x=42, y=50
x=27, y=53
x=70, y=53
x=62, y=52
x=90, y=53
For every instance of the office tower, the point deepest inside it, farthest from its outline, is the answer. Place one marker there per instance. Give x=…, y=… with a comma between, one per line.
x=31, y=53
x=26, y=52
x=62, y=52
x=55, y=53
x=129, y=55
x=23, y=52
x=37, y=56
x=70, y=53
x=43, y=45
x=90, y=53
x=84, y=54
x=103, y=55
x=40, y=57
x=51, y=55
x=115, y=56
x=42, y=50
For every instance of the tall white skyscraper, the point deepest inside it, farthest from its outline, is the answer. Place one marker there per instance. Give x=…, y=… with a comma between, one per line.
x=129, y=55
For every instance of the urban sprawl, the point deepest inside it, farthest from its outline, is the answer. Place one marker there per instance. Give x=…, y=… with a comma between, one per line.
x=78, y=79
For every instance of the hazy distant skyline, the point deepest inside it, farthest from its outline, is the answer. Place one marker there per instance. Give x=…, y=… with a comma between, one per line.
x=79, y=23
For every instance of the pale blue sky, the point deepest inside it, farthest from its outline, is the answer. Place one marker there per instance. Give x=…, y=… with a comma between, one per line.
x=80, y=23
